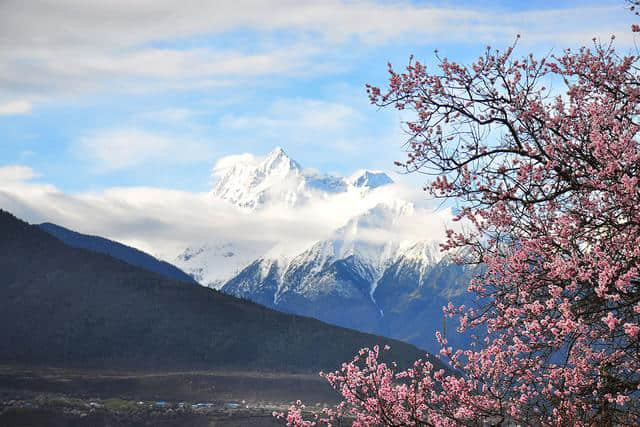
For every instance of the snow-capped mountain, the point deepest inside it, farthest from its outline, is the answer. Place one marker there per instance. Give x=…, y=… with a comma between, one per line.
x=360, y=277
x=366, y=273
x=276, y=180
x=213, y=263
x=362, y=241
x=400, y=297
x=248, y=185
x=365, y=240
x=369, y=179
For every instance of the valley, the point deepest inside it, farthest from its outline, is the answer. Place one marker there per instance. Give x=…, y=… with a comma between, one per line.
x=31, y=396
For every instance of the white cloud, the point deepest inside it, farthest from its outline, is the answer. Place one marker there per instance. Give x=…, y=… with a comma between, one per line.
x=15, y=107
x=164, y=222
x=69, y=71
x=176, y=63
x=172, y=115
x=16, y=173
x=297, y=115
x=125, y=23
x=125, y=148
x=224, y=163
x=69, y=46
x=311, y=123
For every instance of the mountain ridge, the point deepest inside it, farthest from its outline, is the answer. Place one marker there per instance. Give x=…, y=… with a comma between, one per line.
x=117, y=250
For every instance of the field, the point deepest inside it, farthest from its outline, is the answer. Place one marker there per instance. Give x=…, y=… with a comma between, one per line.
x=63, y=397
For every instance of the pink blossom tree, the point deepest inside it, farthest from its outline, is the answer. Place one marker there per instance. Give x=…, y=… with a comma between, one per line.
x=548, y=181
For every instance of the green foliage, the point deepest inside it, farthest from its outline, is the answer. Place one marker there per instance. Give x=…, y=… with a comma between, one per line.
x=120, y=405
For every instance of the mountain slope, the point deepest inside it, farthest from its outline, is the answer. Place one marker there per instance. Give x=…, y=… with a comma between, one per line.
x=68, y=306
x=413, y=290
x=117, y=250
x=334, y=279
x=404, y=302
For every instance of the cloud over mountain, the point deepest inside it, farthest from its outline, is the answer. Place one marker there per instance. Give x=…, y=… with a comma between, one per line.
x=164, y=222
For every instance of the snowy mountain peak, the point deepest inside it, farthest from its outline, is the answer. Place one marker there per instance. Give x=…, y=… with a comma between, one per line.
x=369, y=237
x=277, y=151
x=428, y=253
x=250, y=181
x=279, y=163
x=369, y=179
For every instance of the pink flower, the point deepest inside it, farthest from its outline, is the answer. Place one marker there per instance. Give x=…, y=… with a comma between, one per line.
x=539, y=210
x=611, y=321
x=621, y=400
x=631, y=329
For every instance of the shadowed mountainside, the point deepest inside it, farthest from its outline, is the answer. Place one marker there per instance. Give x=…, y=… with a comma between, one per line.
x=116, y=250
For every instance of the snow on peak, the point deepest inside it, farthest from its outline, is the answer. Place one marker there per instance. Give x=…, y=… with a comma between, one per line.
x=427, y=252
x=252, y=182
x=215, y=262
x=369, y=236
x=351, y=219
x=279, y=163
x=369, y=179
x=249, y=182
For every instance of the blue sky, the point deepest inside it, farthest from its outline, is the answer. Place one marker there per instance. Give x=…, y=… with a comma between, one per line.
x=114, y=95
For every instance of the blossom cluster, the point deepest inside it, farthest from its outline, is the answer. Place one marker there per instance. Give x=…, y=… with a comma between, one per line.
x=548, y=183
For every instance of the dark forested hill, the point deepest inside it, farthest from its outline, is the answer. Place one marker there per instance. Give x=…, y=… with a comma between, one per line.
x=68, y=306
x=117, y=250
